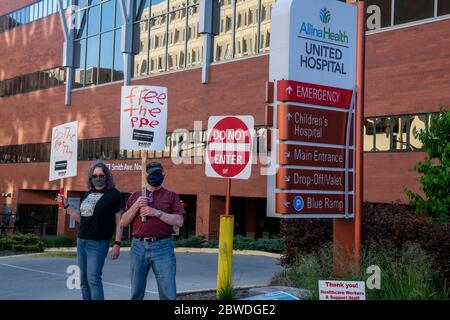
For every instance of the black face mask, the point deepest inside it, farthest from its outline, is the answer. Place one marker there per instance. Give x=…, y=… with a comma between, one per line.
x=99, y=182
x=155, y=179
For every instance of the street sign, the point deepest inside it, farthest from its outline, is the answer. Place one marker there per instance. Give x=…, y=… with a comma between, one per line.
x=314, y=41
x=229, y=147
x=319, y=204
x=305, y=124
x=64, y=150
x=313, y=94
x=313, y=66
x=313, y=156
x=143, y=118
x=312, y=180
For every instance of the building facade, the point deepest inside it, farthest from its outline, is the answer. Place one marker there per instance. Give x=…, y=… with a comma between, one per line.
x=407, y=79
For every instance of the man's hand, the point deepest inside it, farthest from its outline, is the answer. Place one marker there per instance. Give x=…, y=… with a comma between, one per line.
x=115, y=252
x=149, y=212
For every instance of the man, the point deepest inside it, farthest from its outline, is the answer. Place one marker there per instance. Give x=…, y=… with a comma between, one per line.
x=153, y=217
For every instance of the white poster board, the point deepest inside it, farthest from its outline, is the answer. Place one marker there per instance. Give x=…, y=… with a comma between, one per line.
x=342, y=290
x=64, y=151
x=143, y=118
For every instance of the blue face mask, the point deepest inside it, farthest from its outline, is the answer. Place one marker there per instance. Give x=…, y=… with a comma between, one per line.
x=155, y=179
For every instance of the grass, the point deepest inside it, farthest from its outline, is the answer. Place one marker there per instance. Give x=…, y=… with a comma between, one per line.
x=406, y=274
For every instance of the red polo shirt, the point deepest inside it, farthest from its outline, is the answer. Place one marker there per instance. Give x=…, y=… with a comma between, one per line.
x=163, y=199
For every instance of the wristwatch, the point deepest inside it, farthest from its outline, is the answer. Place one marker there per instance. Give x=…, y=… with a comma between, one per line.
x=118, y=243
x=159, y=214
x=66, y=206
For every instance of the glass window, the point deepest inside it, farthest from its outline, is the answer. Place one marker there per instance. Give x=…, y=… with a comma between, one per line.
x=40, y=9
x=92, y=57
x=378, y=14
x=406, y=12
x=223, y=42
x=107, y=16
x=94, y=20
x=369, y=135
x=45, y=8
x=247, y=34
x=141, y=9
x=80, y=53
x=383, y=134
x=176, y=47
x=443, y=7
x=158, y=38
x=106, y=58
x=140, y=64
x=55, y=6
x=265, y=25
x=194, y=41
x=118, y=57
x=399, y=133
x=118, y=15
x=82, y=32
x=417, y=123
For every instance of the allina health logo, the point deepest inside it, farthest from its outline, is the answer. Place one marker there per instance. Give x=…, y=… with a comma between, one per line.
x=324, y=32
x=325, y=15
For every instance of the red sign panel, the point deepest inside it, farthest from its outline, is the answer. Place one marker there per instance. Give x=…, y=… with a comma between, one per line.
x=313, y=180
x=295, y=91
x=305, y=203
x=311, y=125
x=291, y=154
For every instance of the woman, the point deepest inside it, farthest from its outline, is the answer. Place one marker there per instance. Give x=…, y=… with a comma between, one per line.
x=99, y=215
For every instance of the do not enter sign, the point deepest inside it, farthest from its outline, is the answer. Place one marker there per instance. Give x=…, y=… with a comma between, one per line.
x=229, y=148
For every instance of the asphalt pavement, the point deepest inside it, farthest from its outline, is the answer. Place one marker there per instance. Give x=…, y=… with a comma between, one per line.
x=45, y=278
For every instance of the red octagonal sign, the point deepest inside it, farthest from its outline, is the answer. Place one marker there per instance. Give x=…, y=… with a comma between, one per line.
x=229, y=149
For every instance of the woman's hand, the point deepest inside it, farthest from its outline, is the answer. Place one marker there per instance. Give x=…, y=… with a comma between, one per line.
x=115, y=252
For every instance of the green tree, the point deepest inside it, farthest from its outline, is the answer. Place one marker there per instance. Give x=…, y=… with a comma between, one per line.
x=435, y=170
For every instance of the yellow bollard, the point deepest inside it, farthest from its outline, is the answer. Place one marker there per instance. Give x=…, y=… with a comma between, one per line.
x=225, y=260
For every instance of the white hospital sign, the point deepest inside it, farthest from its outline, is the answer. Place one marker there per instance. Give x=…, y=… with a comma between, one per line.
x=314, y=41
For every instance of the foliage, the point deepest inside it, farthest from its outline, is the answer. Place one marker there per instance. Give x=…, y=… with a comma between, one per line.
x=406, y=273
x=435, y=170
x=21, y=242
x=53, y=241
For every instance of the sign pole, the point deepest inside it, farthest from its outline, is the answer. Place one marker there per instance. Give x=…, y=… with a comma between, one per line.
x=226, y=235
x=227, y=199
x=347, y=233
x=143, y=172
x=61, y=212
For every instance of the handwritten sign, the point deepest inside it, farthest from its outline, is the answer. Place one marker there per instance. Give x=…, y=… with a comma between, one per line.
x=143, y=118
x=63, y=153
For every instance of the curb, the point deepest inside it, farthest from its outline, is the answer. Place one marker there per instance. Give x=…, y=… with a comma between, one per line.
x=186, y=250
x=185, y=292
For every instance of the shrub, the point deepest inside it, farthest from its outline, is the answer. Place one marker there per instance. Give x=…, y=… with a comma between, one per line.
x=435, y=181
x=390, y=225
x=191, y=242
x=21, y=242
x=53, y=241
x=406, y=273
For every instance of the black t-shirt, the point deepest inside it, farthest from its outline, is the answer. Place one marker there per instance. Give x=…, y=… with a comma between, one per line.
x=98, y=209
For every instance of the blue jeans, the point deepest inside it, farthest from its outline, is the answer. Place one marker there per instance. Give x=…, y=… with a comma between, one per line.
x=91, y=258
x=160, y=257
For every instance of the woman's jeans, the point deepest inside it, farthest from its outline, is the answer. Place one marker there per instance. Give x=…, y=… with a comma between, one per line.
x=91, y=258
x=159, y=256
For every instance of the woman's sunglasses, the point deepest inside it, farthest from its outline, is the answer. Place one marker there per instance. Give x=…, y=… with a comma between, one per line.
x=98, y=176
